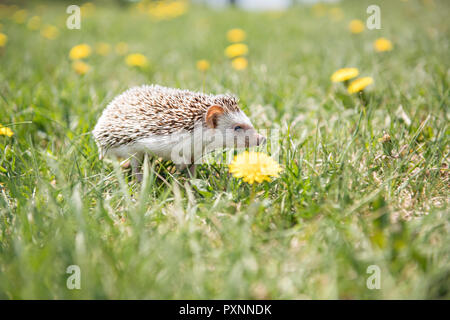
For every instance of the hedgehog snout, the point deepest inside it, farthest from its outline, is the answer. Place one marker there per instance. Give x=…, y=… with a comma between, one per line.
x=254, y=139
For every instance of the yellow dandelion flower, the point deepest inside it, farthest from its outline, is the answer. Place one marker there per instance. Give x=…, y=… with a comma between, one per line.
x=385, y=138
x=20, y=16
x=319, y=9
x=4, y=131
x=382, y=44
x=336, y=14
x=102, y=48
x=356, y=26
x=121, y=48
x=254, y=167
x=141, y=7
x=239, y=63
x=87, y=9
x=344, y=74
x=236, y=35
x=136, y=60
x=34, y=23
x=50, y=32
x=236, y=50
x=161, y=10
x=3, y=39
x=359, y=84
x=80, y=51
x=203, y=65
x=80, y=67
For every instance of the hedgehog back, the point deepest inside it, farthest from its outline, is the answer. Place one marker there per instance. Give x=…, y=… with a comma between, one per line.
x=146, y=111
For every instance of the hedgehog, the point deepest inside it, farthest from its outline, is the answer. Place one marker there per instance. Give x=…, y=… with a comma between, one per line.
x=172, y=124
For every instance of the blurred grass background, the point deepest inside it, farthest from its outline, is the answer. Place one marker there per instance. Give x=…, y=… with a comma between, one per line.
x=346, y=199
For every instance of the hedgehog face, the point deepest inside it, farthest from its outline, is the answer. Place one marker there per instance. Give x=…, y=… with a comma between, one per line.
x=233, y=129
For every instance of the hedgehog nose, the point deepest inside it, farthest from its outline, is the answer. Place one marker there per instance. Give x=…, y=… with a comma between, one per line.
x=260, y=140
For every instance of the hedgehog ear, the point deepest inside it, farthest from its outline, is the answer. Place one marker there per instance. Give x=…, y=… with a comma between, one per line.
x=212, y=115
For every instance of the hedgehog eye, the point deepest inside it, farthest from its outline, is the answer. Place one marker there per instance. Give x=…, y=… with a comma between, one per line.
x=237, y=128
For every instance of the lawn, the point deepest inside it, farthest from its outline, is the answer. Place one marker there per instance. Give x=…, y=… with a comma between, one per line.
x=365, y=178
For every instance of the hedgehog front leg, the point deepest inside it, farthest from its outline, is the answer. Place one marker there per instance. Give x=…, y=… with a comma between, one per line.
x=136, y=166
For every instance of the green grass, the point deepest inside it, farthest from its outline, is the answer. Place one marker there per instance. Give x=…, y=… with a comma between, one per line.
x=344, y=201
